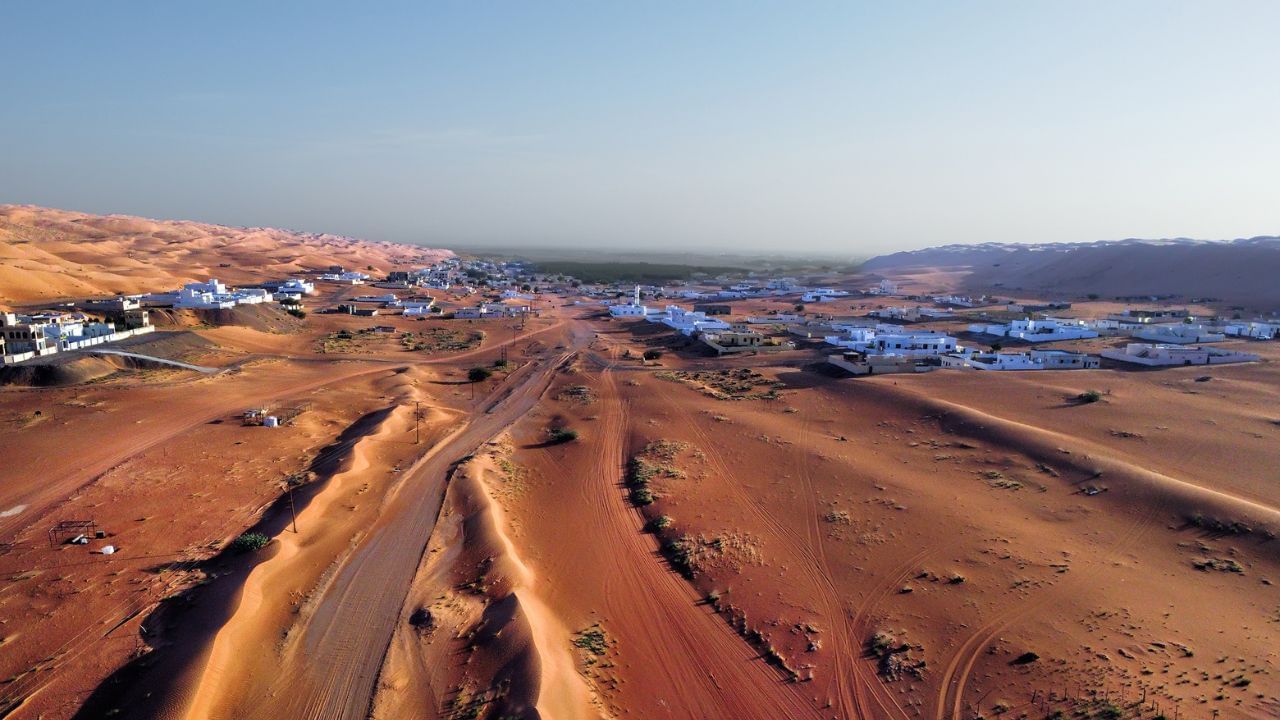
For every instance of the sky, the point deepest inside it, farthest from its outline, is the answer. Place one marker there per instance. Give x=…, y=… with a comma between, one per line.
x=845, y=127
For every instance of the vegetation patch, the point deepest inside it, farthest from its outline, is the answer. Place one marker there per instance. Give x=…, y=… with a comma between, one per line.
x=1218, y=564
x=440, y=339
x=693, y=555
x=613, y=272
x=580, y=394
x=739, y=384
x=895, y=656
x=1088, y=396
x=1219, y=526
x=561, y=435
x=249, y=542
x=592, y=644
x=654, y=461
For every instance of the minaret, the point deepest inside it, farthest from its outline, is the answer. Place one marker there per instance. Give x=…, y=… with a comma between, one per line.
x=636, y=302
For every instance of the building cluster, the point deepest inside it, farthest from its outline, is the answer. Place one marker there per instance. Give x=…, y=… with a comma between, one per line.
x=1038, y=331
x=24, y=337
x=213, y=294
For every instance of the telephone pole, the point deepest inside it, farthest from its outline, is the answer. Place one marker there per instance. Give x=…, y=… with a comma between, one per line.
x=293, y=511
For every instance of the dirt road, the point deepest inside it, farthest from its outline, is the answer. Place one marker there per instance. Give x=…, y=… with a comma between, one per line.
x=333, y=670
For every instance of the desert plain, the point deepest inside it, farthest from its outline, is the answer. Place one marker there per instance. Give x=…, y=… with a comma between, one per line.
x=587, y=533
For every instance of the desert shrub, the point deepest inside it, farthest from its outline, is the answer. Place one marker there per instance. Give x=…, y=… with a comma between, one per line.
x=561, y=435
x=1089, y=396
x=297, y=312
x=479, y=374
x=680, y=554
x=249, y=542
x=652, y=354
x=662, y=522
x=642, y=496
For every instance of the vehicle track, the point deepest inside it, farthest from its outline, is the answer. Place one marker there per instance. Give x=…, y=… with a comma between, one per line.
x=960, y=667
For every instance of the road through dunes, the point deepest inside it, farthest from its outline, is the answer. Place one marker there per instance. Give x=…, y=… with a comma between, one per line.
x=332, y=669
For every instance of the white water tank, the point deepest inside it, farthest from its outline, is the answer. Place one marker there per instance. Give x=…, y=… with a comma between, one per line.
x=271, y=421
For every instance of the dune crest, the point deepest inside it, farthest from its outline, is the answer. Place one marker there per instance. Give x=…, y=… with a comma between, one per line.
x=486, y=607
x=47, y=254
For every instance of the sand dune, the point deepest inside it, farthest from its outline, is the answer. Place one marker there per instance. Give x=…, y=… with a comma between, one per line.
x=518, y=654
x=47, y=254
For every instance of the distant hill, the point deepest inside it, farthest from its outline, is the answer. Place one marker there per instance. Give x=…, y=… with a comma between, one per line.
x=48, y=254
x=1245, y=271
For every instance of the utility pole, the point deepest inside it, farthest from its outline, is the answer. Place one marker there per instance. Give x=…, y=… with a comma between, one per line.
x=293, y=511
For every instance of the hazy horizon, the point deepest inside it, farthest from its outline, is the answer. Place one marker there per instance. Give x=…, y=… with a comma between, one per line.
x=846, y=130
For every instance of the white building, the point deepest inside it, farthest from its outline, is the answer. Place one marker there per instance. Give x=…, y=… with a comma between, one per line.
x=858, y=363
x=251, y=296
x=23, y=337
x=1033, y=360
x=298, y=286
x=779, y=319
x=911, y=314
x=210, y=295
x=1180, y=334
x=1253, y=329
x=631, y=310
x=687, y=322
x=1172, y=355
x=1036, y=331
x=886, y=287
x=917, y=344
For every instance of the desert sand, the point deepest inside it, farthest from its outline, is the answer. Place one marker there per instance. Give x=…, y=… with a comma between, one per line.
x=747, y=537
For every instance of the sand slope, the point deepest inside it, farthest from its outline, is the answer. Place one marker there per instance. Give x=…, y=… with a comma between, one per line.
x=47, y=254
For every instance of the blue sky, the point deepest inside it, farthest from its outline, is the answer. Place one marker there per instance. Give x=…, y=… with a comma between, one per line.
x=836, y=127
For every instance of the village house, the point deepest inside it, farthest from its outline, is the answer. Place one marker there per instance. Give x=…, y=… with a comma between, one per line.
x=911, y=314
x=1173, y=355
x=1148, y=317
x=117, y=304
x=1037, y=331
x=24, y=337
x=634, y=309
x=886, y=287
x=1179, y=334
x=915, y=344
x=731, y=341
x=857, y=363
x=346, y=277
x=1254, y=329
x=779, y=319
x=1031, y=360
x=687, y=322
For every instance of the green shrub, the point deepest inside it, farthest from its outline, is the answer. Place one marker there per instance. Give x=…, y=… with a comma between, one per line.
x=1089, y=396
x=479, y=374
x=297, y=312
x=561, y=435
x=662, y=522
x=249, y=542
x=652, y=354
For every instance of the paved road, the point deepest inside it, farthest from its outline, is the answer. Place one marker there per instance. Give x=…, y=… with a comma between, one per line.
x=153, y=358
x=334, y=669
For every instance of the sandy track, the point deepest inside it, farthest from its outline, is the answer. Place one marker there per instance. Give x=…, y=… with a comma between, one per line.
x=713, y=672
x=171, y=422
x=334, y=669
